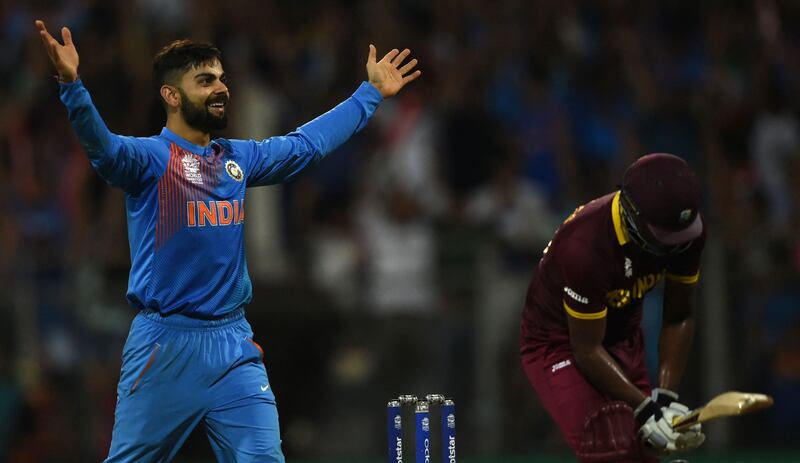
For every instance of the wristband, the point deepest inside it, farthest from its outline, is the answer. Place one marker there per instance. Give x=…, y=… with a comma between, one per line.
x=664, y=397
x=645, y=410
x=62, y=81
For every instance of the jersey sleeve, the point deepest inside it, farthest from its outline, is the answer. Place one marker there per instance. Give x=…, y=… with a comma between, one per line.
x=124, y=162
x=278, y=158
x=685, y=267
x=584, y=292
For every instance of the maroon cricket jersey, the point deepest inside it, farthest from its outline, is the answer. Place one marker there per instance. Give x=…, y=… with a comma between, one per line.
x=592, y=270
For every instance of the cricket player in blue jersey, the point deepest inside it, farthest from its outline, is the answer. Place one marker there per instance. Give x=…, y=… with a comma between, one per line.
x=190, y=357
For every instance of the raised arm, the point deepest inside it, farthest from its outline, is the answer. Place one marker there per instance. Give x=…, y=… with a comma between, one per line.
x=122, y=161
x=387, y=75
x=278, y=158
x=64, y=57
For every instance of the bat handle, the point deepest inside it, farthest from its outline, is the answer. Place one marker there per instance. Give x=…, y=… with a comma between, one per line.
x=681, y=423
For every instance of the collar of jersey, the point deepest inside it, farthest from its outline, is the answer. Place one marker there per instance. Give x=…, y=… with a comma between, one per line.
x=186, y=144
x=616, y=217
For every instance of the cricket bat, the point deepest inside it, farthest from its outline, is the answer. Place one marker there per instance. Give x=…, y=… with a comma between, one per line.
x=726, y=404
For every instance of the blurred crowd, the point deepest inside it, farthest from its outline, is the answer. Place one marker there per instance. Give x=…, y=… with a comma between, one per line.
x=399, y=264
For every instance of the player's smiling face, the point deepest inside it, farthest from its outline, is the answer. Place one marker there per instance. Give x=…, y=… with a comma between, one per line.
x=204, y=97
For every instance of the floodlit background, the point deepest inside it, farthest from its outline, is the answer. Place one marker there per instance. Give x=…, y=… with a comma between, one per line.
x=400, y=263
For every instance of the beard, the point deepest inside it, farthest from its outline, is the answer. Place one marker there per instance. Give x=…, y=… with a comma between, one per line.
x=200, y=117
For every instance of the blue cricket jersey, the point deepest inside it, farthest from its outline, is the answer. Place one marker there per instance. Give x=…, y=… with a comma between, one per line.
x=186, y=203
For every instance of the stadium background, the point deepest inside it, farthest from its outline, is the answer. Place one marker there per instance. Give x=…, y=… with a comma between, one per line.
x=399, y=264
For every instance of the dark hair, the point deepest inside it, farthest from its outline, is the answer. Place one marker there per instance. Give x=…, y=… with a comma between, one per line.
x=178, y=57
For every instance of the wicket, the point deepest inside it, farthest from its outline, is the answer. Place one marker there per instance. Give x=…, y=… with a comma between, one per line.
x=422, y=408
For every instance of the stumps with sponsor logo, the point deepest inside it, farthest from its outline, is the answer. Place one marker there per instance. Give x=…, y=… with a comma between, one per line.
x=422, y=432
x=394, y=424
x=448, y=410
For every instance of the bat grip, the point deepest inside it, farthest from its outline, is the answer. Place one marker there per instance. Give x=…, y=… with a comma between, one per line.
x=684, y=422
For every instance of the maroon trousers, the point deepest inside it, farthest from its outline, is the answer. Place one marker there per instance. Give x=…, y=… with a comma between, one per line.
x=567, y=395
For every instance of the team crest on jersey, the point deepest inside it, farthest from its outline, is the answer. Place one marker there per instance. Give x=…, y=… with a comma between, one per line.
x=628, y=268
x=234, y=170
x=191, y=169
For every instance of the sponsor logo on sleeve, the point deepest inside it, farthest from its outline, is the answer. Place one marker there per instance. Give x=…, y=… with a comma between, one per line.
x=576, y=296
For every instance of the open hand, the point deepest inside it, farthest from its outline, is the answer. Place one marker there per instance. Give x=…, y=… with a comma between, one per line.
x=64, y=57
x=387, y=75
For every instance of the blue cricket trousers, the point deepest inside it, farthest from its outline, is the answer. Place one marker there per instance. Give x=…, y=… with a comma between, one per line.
x=179, y=371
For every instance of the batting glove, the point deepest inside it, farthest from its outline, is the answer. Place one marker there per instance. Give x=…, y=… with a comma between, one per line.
x=689, y=438
x=663, y=397
x=655, y=415
x=654, y=430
